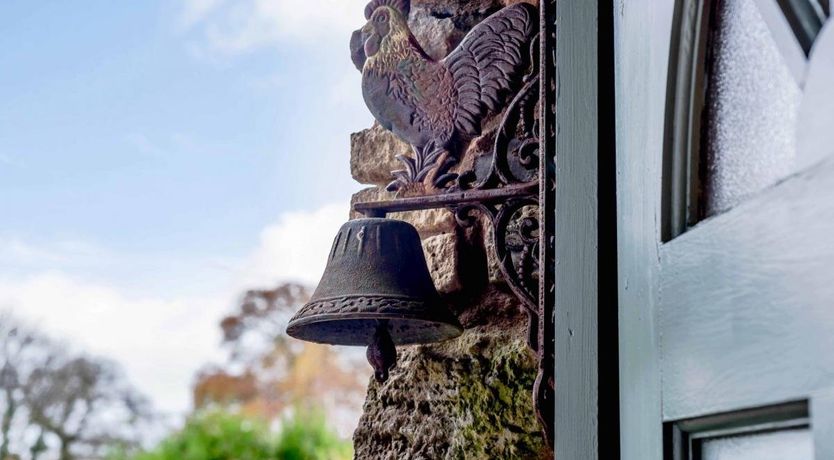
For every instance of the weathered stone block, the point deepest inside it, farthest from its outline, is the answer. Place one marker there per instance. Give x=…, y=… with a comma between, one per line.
x=440, y=25
x=373, y=155
x=443, y=258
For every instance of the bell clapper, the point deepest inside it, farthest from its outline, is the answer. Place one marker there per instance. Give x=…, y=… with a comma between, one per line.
x=381, y=353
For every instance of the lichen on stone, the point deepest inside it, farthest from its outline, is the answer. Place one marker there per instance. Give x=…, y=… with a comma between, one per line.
x=467, y=398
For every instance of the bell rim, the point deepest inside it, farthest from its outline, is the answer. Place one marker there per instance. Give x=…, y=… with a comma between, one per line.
x=381, y=303
x=376, y=307
x=292, y=329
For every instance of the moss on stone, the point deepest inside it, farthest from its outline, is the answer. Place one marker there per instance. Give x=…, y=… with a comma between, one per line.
x=469, y=398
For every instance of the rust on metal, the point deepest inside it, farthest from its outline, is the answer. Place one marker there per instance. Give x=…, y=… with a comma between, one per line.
x=367, y=296
x=380, y=208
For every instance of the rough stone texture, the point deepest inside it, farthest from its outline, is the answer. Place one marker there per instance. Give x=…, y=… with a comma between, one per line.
x=467, y=398
x=440, y=25
x=443, y=259
x=373, y=154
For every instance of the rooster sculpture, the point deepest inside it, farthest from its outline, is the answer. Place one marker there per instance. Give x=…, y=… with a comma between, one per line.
x=438, y=105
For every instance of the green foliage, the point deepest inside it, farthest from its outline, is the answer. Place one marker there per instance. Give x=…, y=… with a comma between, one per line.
x=222, y=436
x=307, y=437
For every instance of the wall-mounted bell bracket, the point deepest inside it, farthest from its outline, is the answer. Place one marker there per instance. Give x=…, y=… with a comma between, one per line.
x=501, y=67
x=514, y=188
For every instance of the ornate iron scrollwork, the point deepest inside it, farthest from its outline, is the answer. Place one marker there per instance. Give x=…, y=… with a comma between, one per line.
x=512, y=185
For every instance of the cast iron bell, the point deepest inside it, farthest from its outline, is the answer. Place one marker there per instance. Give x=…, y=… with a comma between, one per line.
x=376, y=291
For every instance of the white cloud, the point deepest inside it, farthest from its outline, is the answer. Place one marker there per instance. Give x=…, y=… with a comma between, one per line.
x=20, y=254
x=161, y=340
x=158, y=342
x=194, y=11
x=295, y=248
x=235, y=27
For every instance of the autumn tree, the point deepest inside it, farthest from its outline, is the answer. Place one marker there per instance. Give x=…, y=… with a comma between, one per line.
x=268, y=372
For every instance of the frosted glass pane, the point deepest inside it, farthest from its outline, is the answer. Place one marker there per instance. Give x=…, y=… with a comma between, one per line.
x=752, y=106
x=780, y=445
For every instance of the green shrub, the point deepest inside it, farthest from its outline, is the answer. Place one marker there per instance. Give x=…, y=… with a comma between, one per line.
x=307, y=437
x=223, y=436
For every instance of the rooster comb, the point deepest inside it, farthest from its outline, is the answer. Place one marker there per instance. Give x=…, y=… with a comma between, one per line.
x=403, y=6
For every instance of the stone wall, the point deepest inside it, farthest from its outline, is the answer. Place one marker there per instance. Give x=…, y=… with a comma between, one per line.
x=467, y=398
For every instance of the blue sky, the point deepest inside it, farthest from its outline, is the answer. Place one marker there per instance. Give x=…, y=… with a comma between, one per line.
x=158, y=157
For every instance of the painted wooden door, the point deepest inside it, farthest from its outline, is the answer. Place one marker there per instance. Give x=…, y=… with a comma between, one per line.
x=725, y=202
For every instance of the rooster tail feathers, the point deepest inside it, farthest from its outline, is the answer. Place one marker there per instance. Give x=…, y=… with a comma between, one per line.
x=488, y=63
